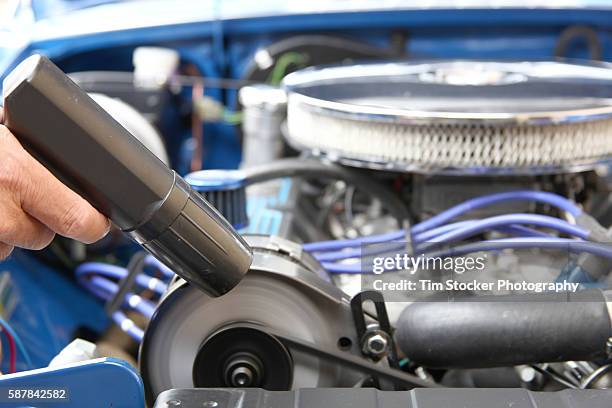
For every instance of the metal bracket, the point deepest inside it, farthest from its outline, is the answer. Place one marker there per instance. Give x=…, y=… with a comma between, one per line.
x=397, y=377
x=126, y=284
x=384, y=325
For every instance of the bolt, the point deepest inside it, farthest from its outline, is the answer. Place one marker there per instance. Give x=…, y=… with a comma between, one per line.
x=242, y=376
x=376, y=345
x=243, y=370
x=173, y=403
x=527, y=374
x=210, y=404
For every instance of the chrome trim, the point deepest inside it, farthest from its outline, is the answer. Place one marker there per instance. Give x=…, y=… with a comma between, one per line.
x=302, y=87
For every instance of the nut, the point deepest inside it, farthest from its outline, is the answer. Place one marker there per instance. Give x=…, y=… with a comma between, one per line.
x=376, y=345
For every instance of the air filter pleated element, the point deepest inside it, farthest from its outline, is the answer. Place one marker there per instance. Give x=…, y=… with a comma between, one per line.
x=455, y=117
x=225, y=190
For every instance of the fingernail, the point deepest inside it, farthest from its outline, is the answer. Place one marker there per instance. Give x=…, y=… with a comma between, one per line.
x=108, y=228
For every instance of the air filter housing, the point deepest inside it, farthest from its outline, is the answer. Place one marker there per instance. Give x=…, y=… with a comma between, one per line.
x=225, y=190
x=460, y=117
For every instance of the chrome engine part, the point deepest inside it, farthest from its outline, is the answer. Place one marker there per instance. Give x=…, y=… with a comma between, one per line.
x=456, y=117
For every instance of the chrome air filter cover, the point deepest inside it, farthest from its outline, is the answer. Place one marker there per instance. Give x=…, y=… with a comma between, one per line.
x=455, y=117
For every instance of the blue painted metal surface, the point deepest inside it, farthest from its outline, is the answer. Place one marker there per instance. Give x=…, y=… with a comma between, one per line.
x=100, y=383
x=265, y=210
x=50, y=309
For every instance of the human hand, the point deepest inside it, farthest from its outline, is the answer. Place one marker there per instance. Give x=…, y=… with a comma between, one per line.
x=34, y=205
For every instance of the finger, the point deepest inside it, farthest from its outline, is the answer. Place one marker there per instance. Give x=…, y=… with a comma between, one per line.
x=58, y=207
x=61, y=209
x=20, y=229
x=5, y=250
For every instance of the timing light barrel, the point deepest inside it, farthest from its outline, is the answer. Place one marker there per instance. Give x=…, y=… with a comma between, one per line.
x=81, y=144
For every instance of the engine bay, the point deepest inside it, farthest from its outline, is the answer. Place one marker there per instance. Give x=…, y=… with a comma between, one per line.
x=398, y=231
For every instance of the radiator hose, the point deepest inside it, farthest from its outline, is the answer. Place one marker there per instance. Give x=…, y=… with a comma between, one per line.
x=484, y=332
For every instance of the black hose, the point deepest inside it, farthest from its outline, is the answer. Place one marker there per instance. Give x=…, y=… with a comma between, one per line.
x=317, y=169
x=323, y=49
x=510, y=330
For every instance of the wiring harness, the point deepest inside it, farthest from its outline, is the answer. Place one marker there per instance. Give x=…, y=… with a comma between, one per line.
x=437, y=237
x=15, y=344
x=102, y=279
x=431, y=237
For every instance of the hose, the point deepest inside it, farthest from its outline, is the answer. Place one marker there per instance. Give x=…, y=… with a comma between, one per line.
x=506, y=330
x=316, y=169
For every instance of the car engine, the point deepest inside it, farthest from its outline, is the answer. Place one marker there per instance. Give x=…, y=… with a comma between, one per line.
x=397, y=230
x=344, y=164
